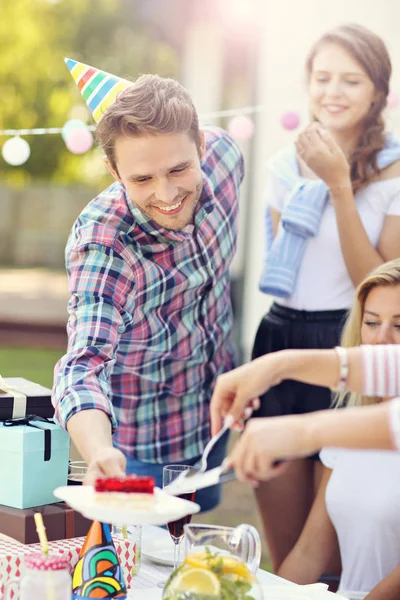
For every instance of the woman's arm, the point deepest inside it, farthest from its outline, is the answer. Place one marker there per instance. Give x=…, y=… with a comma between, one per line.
x=276, y=217
x=358, y=252
x=388, y=588
x=373, y=370
x=235, y=389
x=316, y=545
x=267, y=440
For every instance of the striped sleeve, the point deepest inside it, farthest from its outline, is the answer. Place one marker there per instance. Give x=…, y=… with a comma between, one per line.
x=394, y=421
x=381, y=370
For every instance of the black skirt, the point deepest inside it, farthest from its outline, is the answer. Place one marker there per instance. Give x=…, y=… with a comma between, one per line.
x=285, y=328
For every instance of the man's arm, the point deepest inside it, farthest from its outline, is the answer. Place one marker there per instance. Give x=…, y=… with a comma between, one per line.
x=99, y=282
x=92, y=435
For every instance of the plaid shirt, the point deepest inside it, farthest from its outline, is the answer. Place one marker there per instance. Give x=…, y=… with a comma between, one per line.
x=150, y=314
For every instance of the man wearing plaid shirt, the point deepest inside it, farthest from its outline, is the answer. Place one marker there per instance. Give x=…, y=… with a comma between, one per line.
x=150, y=311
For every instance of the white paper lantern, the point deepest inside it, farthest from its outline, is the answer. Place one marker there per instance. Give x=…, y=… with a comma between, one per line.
x=16, y=151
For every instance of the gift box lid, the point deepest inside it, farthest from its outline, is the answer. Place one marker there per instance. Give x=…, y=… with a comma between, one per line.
x=24, y=438
x=19, y=397
x=29, y=388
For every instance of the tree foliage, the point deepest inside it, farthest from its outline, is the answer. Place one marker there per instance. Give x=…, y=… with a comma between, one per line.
x=37, y=89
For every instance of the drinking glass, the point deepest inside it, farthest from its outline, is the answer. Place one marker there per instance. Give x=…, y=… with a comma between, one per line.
x=76, y=472
x=175, y=528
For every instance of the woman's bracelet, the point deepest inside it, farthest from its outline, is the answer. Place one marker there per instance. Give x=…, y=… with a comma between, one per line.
x=344, y=368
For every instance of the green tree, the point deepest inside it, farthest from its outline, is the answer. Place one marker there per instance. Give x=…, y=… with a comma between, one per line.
x=37, y=89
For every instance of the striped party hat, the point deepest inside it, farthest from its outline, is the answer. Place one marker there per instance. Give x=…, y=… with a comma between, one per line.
x=98, y=88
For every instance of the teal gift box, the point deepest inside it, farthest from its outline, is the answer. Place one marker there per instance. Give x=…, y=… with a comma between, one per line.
x=34, y=461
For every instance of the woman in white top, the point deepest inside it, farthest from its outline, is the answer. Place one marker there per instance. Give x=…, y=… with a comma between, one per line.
x=356, y=508
x=348, y=71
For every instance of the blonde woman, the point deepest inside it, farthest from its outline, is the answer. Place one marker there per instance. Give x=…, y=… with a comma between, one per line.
x=356, y=508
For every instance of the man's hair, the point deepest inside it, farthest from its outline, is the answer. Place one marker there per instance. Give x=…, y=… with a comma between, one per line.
x=152, y=105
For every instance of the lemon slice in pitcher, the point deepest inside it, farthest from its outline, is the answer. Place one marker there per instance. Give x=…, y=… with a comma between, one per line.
x=236, y=567
x=198, y=560
x=197, y=581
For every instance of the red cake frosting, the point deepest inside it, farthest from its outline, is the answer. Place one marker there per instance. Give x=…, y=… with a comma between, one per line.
x=131, y=484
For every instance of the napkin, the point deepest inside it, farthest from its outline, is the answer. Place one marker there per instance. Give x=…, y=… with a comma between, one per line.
x=315, y=591
x=149, y=594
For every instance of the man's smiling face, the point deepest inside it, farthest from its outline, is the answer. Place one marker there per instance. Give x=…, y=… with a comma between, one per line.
x=162, y=176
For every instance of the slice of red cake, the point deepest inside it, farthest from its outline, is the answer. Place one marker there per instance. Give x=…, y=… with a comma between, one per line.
x=131, y=491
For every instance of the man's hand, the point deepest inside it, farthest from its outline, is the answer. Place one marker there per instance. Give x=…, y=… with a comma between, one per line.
x=106, y=462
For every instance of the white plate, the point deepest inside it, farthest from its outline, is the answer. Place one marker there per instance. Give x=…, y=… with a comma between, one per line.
x=160, y=550
x=166, y=508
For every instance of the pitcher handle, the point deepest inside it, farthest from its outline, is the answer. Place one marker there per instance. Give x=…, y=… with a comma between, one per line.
x=8, y=586
x=248, y=536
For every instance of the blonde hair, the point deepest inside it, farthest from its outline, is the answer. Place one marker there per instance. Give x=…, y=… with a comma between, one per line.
x=371, y=53
x=152, y=105
x=385, y=275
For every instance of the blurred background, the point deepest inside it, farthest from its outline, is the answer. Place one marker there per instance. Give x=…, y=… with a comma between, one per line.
x=243, y=62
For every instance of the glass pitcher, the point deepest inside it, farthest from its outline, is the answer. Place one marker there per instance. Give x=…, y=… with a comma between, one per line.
x=220, y=562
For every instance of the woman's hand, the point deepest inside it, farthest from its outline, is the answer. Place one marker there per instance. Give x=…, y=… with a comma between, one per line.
x=239, y=389
x=266, y=441
x=323, y=155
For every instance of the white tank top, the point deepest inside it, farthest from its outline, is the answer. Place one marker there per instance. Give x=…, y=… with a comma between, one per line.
x=363, y=500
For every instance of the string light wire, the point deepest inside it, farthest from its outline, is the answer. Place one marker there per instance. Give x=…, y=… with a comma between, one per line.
x=247, y=110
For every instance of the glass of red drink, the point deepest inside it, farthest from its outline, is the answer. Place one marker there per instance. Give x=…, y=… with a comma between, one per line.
x=175, y=528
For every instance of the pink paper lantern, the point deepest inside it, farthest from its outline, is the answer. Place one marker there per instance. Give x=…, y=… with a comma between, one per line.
x=70, y=126
x=241, y=128
x=392, y=100
x=290, y=120
x=79, y=141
